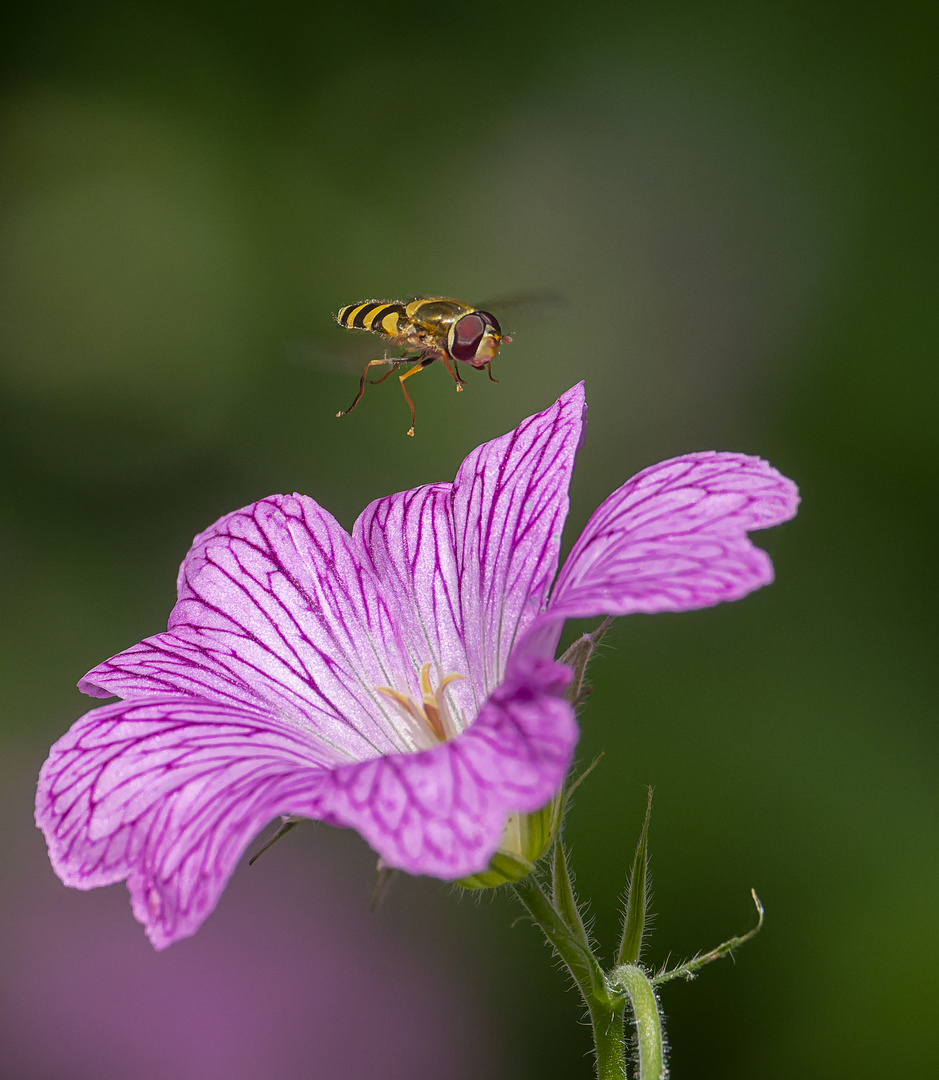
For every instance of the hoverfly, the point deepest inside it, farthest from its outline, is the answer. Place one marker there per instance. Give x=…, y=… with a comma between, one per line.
x=428, y=328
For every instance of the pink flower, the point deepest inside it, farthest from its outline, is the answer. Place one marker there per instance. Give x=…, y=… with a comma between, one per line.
x=399, y=681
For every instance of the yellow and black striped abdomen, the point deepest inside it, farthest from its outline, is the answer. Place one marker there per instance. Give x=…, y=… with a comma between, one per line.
x=381, y=316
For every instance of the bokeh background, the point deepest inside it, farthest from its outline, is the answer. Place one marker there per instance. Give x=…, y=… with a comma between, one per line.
x=734, y=207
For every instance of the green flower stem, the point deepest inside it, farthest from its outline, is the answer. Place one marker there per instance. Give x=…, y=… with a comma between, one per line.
x=581, y=963
x=609, y=1040
x=648, y=1020
x=606, y=999
x=690, y=967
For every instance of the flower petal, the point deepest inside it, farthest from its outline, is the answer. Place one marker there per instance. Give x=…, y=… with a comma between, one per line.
x=674, y=538
x=510, y=502
x=443, y=811
x=168, y=794
x=407, y=540
x=470, y=564
x=277, y=610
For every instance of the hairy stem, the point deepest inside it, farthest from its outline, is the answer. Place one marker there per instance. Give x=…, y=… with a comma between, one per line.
x=609, y=1040
x=606, y=998
x=648, y=1020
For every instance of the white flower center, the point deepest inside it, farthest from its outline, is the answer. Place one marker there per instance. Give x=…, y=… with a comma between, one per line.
x=432, y=713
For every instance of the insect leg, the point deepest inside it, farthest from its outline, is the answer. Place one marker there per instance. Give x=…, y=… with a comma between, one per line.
x=407, y=375
x=396, y=362
x=460, y=382
x=358, y=396
x=488, y=369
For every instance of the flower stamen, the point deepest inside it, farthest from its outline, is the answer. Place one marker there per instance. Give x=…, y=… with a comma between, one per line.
x=432, y=712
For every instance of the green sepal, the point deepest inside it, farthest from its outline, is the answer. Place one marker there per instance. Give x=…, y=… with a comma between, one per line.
x=637, y=897
x=503, y=870
x=541, y=828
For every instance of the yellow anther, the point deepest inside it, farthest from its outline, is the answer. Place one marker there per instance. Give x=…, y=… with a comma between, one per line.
x=432, y=712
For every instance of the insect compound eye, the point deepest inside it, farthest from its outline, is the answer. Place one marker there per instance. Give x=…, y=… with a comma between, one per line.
x=467, y=334
x=492, y=320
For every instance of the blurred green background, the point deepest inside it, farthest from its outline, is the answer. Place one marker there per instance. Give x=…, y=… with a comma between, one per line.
x=737, y=204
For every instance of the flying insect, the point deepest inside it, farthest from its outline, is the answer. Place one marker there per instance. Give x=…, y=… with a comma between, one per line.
x=427, y=328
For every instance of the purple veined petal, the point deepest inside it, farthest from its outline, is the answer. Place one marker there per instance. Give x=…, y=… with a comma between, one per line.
x=278, y=611
x=442, y=812
x=674, y=538
x=469, y=565
x=510, y=502
x=407, y=540
x=167, y=794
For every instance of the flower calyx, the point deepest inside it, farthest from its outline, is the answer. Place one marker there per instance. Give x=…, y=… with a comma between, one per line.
x=526, y=839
